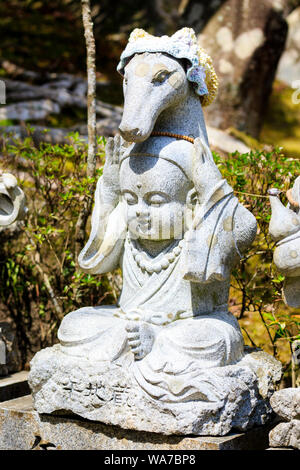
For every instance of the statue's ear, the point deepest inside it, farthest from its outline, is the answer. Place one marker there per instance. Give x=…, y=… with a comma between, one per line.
x=191, y=198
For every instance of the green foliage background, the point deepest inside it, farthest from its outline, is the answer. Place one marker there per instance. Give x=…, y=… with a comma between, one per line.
x=53, y=178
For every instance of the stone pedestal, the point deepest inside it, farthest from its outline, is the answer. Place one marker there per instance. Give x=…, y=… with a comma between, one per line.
x=108, y=392
x=22, y=428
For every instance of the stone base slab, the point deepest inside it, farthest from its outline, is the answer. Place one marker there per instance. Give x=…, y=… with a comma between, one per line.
x=22, y=428
x=230, y=398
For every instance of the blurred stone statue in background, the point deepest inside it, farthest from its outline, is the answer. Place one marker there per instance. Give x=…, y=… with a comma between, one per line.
x=169, y=357
x=12, y=208
x=284, y=228
x=12, y=200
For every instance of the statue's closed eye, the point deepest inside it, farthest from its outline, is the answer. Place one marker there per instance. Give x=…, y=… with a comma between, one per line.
x=156, y=199
x=130, y=198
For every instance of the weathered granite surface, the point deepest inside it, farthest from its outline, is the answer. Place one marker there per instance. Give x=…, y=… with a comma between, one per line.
x=22, y=428
x=107, y=392
x=286, y=434
x=286, y=403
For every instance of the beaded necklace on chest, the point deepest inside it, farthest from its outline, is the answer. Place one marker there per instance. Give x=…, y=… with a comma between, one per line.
x=152, y=265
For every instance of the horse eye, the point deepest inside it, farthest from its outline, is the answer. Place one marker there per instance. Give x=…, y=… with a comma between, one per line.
x=160, y=76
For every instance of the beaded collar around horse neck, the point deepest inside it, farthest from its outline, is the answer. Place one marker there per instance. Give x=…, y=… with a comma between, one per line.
x=170, y=134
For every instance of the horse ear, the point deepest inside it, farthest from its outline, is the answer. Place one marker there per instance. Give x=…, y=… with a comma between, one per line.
x=186, y=36
x=139, y=33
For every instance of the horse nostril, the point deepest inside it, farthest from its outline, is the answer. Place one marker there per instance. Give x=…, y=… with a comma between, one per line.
x=127, y=132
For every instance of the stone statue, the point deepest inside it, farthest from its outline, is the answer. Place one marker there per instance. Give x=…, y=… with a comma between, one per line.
x=12, y=200
x=284, y=228
x=169, y=357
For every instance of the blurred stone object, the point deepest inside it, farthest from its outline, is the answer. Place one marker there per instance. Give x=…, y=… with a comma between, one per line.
x=37, y=101
x=12, y=209
x=22, y=428
x=10, y=358
x=169, y=357
x=12, y=200
x=224, y=142
x=29, y=111
x=284, y=228
x=246, y=40
x=286, y=403
x=289, y=64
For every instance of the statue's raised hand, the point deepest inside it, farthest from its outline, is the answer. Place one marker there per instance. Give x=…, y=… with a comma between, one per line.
x=110, y=178
x=205, y=172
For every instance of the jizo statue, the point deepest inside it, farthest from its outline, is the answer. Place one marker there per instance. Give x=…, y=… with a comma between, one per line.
x=285, y=230
x=169, y=352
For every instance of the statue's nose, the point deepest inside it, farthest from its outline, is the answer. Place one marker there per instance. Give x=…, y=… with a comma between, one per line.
x=128, y=133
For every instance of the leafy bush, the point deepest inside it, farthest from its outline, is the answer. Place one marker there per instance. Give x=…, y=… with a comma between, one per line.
x=39, y=279
x=256, y=298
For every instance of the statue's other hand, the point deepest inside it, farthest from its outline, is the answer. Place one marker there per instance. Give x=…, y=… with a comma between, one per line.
x=205, y=172
x=140, y=337
x=110, y=178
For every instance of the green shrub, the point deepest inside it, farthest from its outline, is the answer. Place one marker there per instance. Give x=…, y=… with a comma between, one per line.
x=256, y=298
x=39, y=279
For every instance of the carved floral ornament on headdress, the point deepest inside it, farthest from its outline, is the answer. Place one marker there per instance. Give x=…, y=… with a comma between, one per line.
x=182, y=45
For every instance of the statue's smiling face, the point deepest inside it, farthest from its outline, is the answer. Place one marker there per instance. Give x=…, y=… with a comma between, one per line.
x=155, y=192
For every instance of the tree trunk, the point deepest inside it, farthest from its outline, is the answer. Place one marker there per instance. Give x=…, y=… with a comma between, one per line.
x=91, y=77
x=91, y=117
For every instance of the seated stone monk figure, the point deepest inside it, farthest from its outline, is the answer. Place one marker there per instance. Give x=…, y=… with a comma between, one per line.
x=171, y=324
x=169, y=357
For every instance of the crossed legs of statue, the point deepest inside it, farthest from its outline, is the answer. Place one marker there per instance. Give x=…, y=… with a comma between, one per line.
x=210, y=340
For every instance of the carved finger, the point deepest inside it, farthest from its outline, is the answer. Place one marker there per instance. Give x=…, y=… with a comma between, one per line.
x=203, y=150
x=134, y=344
x=208, y=154
x=132, y=327
x=109, y=149
x=133, y=335
x=116, y=150
x=136, y=350
x=198, y=145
